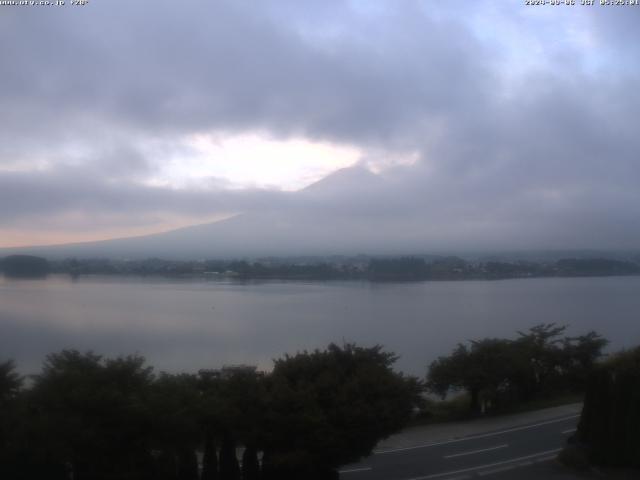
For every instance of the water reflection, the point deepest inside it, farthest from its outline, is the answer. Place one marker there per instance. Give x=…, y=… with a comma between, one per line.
x=191, y=324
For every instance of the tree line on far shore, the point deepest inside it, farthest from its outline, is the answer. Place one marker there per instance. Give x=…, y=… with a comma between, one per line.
x=333, y=268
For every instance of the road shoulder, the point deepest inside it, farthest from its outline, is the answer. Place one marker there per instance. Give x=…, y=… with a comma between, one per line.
x=441, y=432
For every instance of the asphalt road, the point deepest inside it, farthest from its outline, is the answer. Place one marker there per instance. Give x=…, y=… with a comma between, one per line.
x=486, y=455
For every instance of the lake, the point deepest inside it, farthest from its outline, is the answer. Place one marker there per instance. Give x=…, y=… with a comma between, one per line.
x=184, y=325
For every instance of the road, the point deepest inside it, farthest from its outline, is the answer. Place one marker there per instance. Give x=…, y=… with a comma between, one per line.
x=488, y=454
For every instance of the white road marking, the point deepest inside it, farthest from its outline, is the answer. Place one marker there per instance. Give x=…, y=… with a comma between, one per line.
x=496, y=470
x=354, y=470
x=544, y=459
x=571, y=430
x=476, y=451
x=474, y=437
x=481, y=467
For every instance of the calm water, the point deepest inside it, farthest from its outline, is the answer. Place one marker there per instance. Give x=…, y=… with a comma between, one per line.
x=186, y=325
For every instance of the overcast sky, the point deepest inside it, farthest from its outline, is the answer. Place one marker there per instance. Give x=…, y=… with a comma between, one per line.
x=487, y=124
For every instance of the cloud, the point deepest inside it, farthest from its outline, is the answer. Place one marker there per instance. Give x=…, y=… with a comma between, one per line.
x=235, y=65
x=488, y=124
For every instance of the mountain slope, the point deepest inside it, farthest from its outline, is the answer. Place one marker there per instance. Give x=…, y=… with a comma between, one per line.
x=317, y=220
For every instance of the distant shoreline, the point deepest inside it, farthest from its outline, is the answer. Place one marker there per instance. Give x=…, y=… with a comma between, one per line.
x=399, y=269
x=239, y=279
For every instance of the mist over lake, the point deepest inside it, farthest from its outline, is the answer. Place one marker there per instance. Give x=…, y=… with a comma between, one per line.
x=190, y=324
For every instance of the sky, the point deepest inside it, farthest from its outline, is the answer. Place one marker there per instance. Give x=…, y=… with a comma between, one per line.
x=470, y=124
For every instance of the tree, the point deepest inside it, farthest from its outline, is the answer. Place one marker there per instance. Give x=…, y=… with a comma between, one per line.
x=229, y=466
x=609, y=426
x=10, y=382
x=331, y=407
x=484, y=370
x=11, y=424
x=580, y=355
x=233, y=411
x=91, y=414
x=497, y=372
x=449, y=373
x=541, y=357
x=250, y=464
x=209, y=458
x=174, y=404
x=208, y=382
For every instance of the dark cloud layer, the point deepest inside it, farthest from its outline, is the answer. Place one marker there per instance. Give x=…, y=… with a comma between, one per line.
x=522, y=123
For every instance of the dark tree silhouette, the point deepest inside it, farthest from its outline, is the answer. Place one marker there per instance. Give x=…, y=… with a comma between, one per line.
x=209, y=458
x=484, y=370
x=580, y=355
x=174, y=402
x=610, y=423
x=11, y=428
x=498, y=372
x=250, y=464
x=229, y=466
x=91, y=414
x=234, y=402
x=10, y=382
x=328, y=408
x=95, y=418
